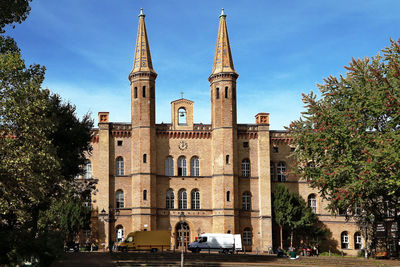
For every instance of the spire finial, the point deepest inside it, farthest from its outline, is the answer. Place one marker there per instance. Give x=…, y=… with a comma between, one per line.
x=222, y=13
x=141, y=13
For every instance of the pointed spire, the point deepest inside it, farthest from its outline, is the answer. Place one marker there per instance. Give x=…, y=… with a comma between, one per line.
x=223, y=57
x=142, y=61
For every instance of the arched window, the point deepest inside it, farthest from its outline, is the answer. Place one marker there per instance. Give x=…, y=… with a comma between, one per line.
x=246, y=201
x=312, y=203
x=182, y=199
x=119, y=198
x=357, y=240
x=119, y=233
x=246, y=168
x=272, y=170
x=195, y=199
x=182, y=166
x=144, y=91
x=247, y=237
x=344, y=237
x=120, y=166
x=226, y=92
x=169, y=166
x=228, y=195
x=170, y=199
x=227, y=159
x=135, y=92
x=145, y=194
x=217, y=93
x=195, y=166
x=182, y=116
x=87, y=168
x=144, y=158
x=281, y=170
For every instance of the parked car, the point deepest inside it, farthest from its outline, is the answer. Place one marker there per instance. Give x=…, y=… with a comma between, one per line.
x=71, y=247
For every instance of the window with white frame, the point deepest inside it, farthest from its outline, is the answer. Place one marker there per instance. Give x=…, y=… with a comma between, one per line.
x=312, y=202
x=182, y=199
x=119, y=197
x=357, y=240
x=120, y=166
x=246, y=168
x=195, y=199
x=170, y=199
x=87, y=200
x=169, y=166
x=247, y=237
x=195, y=166
x=87, y=168
x=246, y=201
x=119, y=233
x=281, y=170
x=182, y=166
x=345, y=240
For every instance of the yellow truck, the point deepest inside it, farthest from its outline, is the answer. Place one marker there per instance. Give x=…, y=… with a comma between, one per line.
x=146, y=240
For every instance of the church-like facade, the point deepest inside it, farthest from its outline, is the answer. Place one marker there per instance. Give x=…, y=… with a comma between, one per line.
x=217, y=178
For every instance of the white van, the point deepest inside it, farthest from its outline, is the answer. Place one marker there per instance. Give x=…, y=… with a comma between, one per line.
x=225, y=243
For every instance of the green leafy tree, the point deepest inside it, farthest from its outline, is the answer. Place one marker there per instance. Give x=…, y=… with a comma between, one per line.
x=42, y=146
x=348, y=140
x=290, y=210
x=13, y=11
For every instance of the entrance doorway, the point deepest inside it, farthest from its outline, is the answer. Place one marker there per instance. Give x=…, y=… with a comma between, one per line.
x=182, y=231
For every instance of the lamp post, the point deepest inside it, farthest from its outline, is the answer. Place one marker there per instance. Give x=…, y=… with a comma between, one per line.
x=364, y=225
x=181, y=221
x=109, y=218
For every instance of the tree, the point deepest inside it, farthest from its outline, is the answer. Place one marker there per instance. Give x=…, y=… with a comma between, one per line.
x=13, y=11
x=291, y=210
x=42, y=146
x=348, y=142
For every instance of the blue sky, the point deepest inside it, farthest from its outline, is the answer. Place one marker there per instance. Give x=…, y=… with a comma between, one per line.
x=280, y=49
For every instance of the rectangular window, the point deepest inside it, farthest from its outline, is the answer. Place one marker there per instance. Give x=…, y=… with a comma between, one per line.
x=119, y=143
x=217, y=93
x=144, y=91
x=275, y=149
x=245, y=144
x=226, y=92
x=135, y=92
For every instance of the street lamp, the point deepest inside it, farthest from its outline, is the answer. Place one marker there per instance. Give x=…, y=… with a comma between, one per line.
x=109, y=218
x=182, y=221
x=363, y=220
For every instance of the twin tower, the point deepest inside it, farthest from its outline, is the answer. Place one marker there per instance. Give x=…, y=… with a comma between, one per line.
x=216, y=178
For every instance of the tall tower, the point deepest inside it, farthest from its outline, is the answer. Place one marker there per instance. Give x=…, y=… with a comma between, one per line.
x=142, y=79
x=224, y=133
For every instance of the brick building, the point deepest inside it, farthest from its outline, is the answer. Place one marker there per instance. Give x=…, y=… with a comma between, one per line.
x=220, y=175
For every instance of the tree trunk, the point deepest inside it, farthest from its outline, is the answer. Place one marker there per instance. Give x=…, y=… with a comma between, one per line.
x=291, y=238
x=281, y=236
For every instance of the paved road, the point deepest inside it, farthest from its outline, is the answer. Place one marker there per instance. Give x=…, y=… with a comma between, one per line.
x=203, y=259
